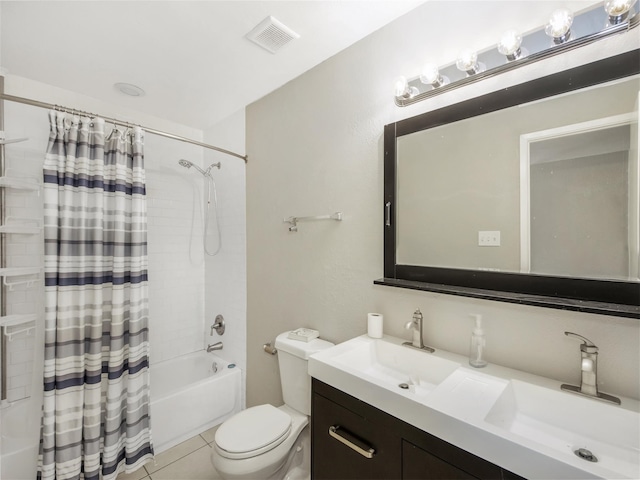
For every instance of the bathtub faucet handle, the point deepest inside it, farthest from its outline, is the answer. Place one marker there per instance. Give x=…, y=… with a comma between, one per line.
x=218, y=325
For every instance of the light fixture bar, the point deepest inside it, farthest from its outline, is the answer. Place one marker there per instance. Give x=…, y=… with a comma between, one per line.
x=497, y=64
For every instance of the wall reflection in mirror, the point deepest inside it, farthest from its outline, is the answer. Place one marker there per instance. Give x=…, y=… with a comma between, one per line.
x=549, y=187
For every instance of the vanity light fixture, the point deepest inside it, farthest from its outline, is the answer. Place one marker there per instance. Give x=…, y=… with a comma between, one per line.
x=468, y=62
x=559, y=26
x=519, y=49
x=402, y=89
x=430, y=75
x=618, y=10
x=509, y=45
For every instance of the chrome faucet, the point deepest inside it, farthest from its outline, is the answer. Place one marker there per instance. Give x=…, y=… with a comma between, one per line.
x=416, y=326
x=215, y=346
x=589, y=372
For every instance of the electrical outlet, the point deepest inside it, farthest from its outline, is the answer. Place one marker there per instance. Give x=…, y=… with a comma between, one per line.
x=488, y=238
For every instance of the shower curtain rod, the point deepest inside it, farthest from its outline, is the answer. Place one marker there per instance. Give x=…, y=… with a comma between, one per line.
x=37, y=103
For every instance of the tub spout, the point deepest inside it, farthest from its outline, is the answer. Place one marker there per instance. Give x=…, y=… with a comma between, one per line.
x=215, y=346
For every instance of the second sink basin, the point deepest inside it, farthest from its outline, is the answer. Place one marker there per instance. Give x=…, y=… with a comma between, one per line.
x=390, y=364
x=564, y=423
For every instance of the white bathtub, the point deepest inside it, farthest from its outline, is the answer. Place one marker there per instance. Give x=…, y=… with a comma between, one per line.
x=187, y=397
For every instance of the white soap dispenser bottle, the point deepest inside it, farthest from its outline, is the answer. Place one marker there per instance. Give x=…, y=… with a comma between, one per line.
x=478, y=344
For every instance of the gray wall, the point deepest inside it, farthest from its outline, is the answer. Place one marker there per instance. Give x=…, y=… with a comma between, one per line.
x=315, y=147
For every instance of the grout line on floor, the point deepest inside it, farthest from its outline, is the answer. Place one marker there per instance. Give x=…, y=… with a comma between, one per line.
x=176, y=460
x=170, y=463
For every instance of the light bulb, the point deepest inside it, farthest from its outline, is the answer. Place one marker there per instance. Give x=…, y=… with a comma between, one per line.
x=510, y=45
x=401, y=88
x=468, y=62
x=559, y=26
x=618, y=10
x=431, y=75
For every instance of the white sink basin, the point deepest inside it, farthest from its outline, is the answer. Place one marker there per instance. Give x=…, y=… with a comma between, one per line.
x=565, y=422
x=390, y=364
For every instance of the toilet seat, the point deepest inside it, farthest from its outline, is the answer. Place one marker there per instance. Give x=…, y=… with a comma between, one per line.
x=253, y=432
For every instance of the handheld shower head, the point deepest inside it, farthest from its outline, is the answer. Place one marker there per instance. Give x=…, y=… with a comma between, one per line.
x=187, y=164
x=211, y=188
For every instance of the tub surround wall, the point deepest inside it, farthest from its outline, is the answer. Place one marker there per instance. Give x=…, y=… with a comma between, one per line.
x=315, y=147
x=176, y=259
x=226, y=273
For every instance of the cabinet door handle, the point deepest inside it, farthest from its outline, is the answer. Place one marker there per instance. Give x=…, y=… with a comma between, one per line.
x=350, y=441
x=388, y=214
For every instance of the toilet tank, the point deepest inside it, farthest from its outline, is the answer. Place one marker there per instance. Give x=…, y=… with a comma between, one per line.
x=293, y=356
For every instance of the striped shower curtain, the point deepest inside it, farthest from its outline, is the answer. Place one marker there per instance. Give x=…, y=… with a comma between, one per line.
x=95, y=418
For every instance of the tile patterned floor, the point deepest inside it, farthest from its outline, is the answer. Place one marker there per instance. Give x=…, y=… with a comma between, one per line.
x=190, y=460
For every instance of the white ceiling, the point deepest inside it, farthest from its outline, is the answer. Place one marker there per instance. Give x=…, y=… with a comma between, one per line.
x=190, y=57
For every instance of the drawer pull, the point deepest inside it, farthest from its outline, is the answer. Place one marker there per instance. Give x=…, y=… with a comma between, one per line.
x=350, y=441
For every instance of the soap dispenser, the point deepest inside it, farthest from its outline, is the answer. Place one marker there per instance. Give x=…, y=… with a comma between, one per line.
x=478, y=343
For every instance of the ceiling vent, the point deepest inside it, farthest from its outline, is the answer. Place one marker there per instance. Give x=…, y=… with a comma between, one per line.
x=271, y=35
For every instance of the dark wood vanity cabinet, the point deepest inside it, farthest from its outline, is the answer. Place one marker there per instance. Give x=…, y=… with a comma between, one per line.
x=331, y=459
x=344, y=429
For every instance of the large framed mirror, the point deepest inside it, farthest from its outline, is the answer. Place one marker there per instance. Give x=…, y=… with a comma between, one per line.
x=529, y=194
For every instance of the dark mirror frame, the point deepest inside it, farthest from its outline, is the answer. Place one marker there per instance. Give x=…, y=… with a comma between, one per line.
x=609, y=297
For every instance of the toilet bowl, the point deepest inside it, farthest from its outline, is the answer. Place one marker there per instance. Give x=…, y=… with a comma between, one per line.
x=269, y=443
x=265, y=457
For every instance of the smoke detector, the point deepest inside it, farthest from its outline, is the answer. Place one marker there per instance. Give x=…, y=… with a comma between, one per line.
x=271, y=34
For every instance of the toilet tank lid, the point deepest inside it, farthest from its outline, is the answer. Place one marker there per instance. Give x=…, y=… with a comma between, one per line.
x=299, y=348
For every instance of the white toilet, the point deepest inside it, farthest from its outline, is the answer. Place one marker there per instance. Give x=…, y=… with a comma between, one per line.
x=266, y=442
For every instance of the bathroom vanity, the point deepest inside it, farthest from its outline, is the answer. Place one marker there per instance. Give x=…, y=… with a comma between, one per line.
x=397, y=449
x=383, y=410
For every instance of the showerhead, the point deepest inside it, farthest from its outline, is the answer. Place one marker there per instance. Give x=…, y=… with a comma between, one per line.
x=187, y=164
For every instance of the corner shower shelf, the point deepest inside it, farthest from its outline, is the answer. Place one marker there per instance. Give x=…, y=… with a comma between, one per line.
x=24, y=276
x=16, y=324
x=20, y=183
x=21, y=226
